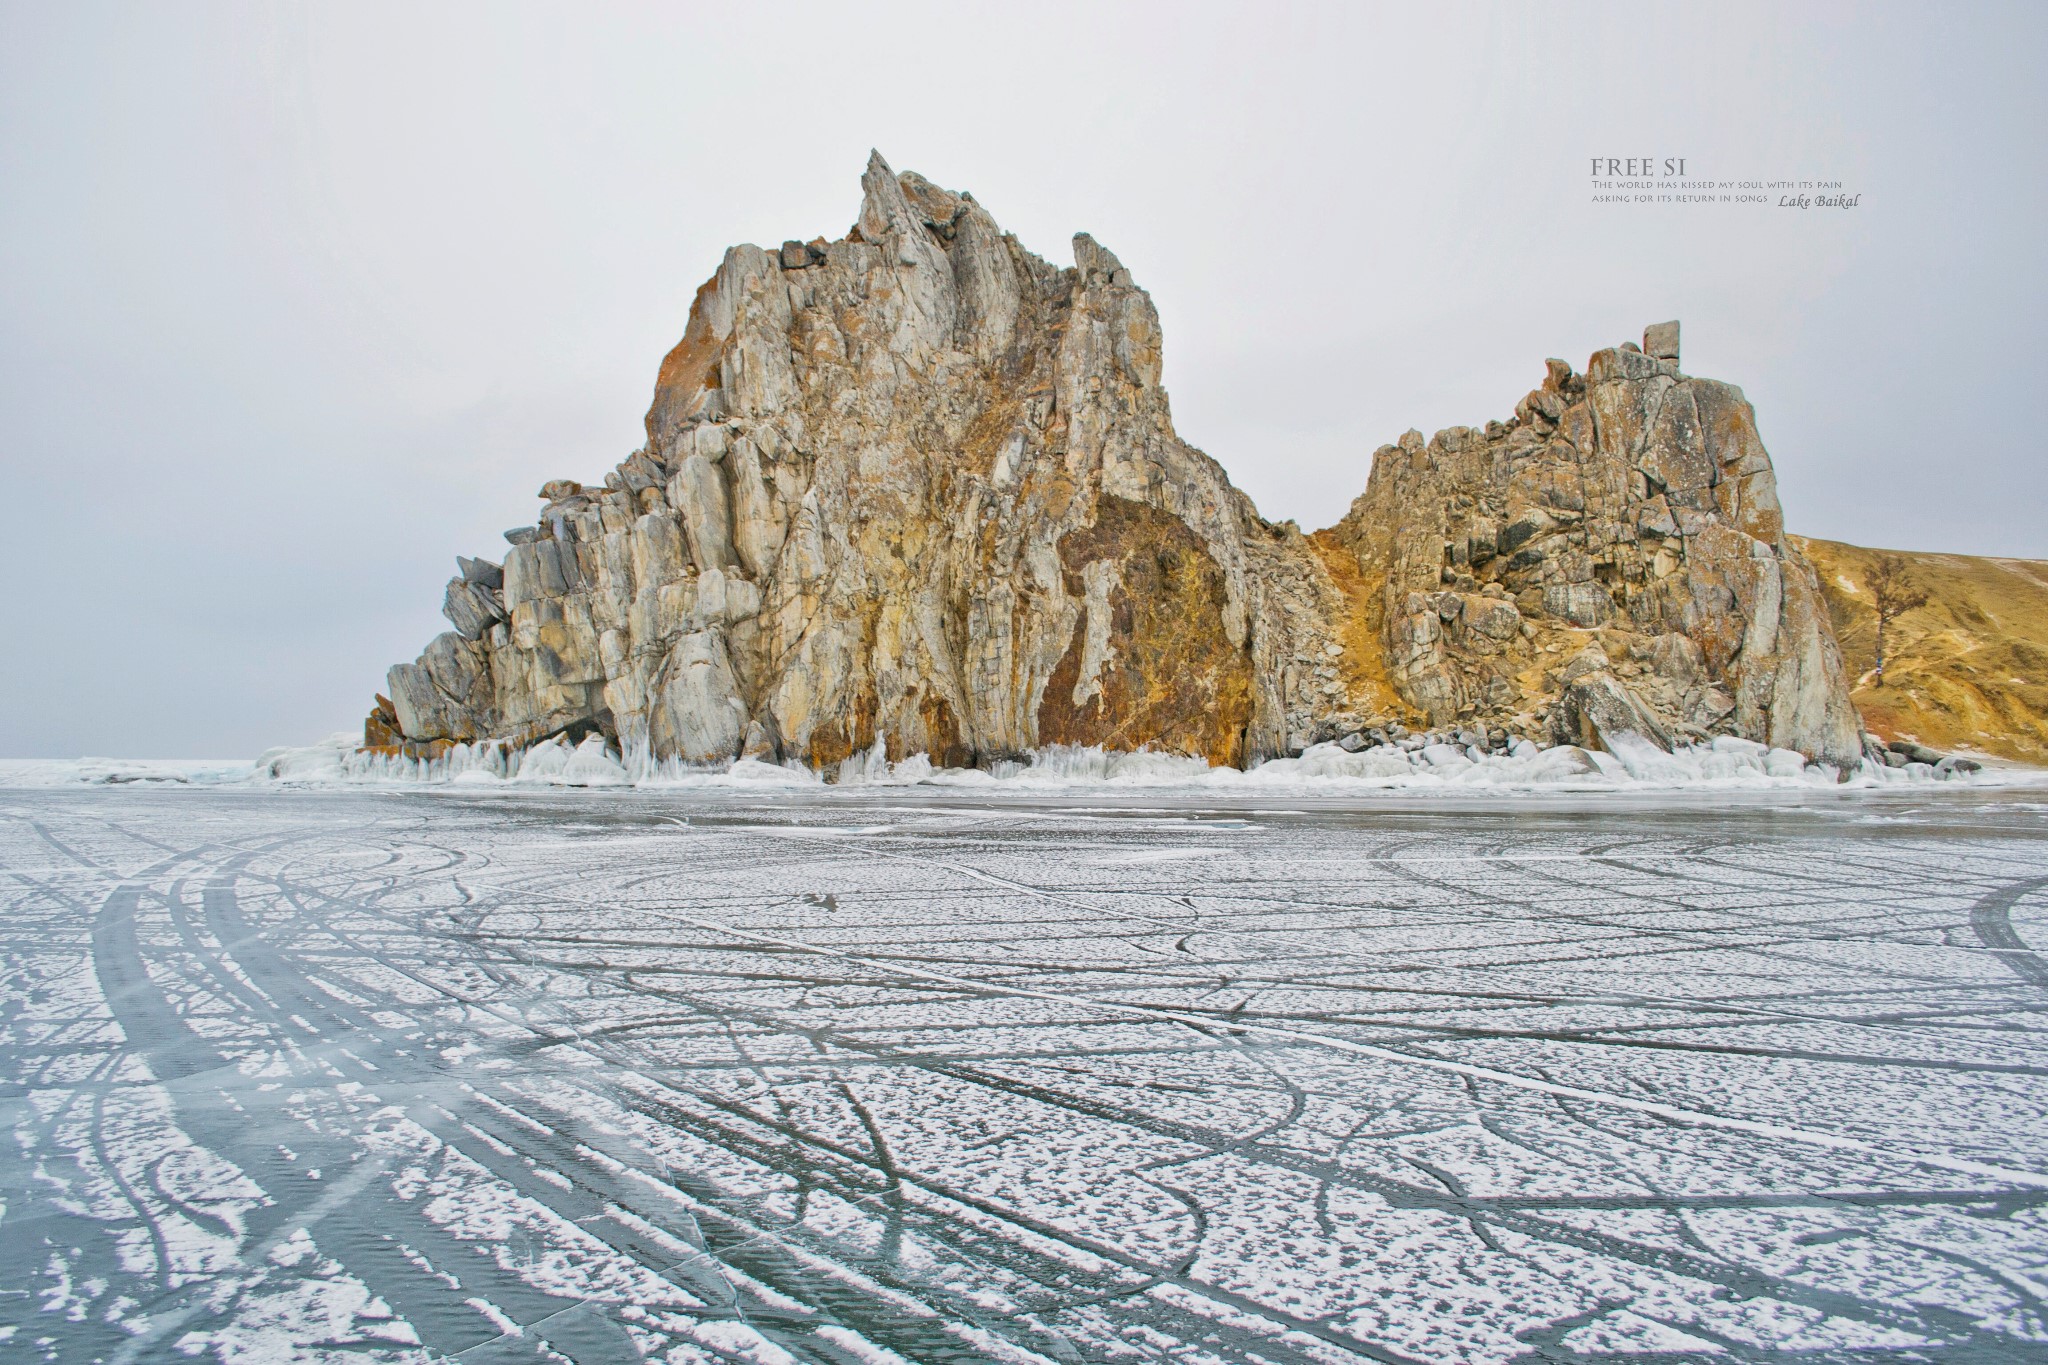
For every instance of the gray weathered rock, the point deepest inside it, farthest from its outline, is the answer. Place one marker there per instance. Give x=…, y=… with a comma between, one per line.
x=480, y=571
x=472, y=608
x=697, y=713
x=1597, y=708
x=699, y=495
x=445, y=694
x=759, y=743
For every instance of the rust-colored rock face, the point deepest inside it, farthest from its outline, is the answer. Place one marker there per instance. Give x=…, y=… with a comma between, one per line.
x=1151, y=661
x=686, y=372
x=918, y=488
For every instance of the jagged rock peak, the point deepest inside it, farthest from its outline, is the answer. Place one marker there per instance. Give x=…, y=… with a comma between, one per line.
x=918, y=488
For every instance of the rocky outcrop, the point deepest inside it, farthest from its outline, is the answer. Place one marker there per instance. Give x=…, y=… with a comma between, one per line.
x=1620, y=534
x=918, y=488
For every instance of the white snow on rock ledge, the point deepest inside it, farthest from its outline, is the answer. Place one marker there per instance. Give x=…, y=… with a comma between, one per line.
x=1635, y=765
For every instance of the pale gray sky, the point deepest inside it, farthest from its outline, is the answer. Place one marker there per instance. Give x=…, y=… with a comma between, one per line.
x=297, y=303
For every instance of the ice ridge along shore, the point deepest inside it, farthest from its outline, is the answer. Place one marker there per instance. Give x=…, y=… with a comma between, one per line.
x=1421, y=765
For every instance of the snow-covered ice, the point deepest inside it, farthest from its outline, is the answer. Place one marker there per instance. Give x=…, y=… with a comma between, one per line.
x=1065, y=1064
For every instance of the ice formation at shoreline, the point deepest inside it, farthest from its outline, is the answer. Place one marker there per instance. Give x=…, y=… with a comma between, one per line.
x=1724, y=763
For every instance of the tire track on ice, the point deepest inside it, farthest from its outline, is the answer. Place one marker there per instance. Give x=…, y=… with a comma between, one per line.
x=1512, y=1214
x=254, y=1139
x=1190, y=1326
x=1670, y=1113
x=927, y=1338
x=1991, y=919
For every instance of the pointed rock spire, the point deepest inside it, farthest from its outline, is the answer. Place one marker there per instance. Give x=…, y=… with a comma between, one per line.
x=1097, y=263
x=883, y=209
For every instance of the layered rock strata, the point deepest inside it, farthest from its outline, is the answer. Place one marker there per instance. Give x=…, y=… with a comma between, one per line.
x=916, y=488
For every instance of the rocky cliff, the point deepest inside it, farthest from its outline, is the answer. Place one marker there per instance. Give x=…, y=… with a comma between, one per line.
x=1613, y=555
x=918, y=488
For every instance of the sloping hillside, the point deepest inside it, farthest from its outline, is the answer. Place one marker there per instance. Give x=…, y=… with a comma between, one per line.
x=1967, y=671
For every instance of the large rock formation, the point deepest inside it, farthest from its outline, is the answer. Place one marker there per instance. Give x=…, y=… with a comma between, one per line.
x=918, y=487
x=1625, y=525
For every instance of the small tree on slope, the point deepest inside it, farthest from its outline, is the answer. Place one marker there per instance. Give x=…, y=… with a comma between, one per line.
x=1894, y=593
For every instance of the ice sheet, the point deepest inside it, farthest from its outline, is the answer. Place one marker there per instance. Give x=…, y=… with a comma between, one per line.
x=980, y=1072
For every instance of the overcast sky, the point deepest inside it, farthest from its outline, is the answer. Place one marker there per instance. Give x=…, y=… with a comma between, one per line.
x=298, y=303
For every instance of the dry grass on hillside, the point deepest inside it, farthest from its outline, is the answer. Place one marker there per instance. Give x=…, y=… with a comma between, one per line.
x=1969, y=670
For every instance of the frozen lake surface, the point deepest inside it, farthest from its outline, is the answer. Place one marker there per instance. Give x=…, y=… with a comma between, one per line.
x=861, y=1076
